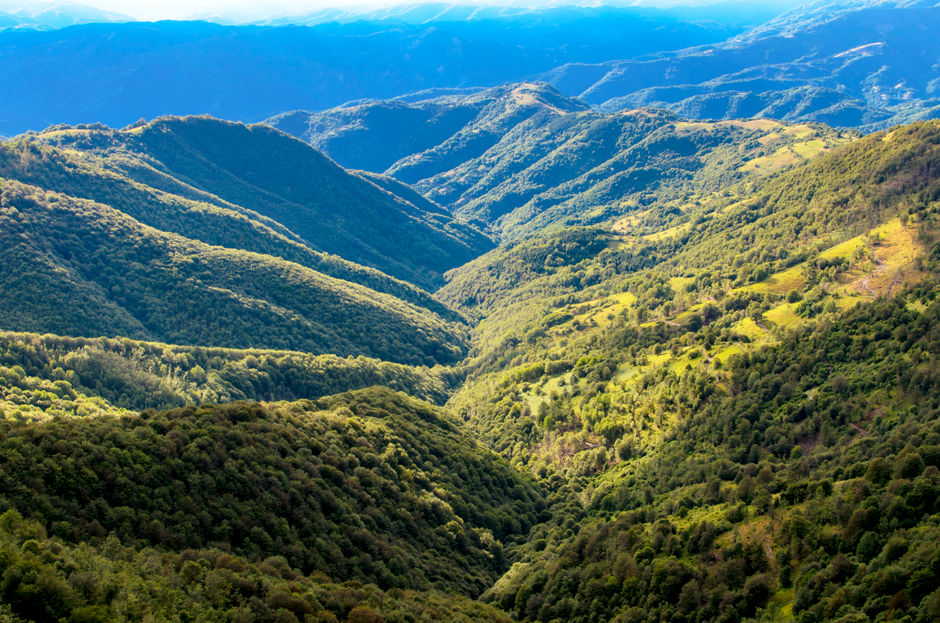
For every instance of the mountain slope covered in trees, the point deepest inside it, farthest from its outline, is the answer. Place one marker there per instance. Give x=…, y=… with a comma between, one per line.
x=76, y=267
x=715, y=399
x=732, y=405
x=522, y=158
x=369, y=486
x=281, y=187
x=44, y=376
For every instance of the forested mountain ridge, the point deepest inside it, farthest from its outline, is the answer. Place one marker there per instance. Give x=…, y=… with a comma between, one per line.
x=274, y=181
x=370, y=486
x=522, y=158
x=709, y=396
x=76, y=267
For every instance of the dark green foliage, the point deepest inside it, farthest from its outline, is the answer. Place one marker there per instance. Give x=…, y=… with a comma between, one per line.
x=75, y=267
x=369, y=485
x=48, y=580
x=278, y=184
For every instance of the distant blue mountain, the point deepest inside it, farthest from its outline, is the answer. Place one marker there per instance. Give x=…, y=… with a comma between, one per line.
x=118, y=73
x=861, y=63
x=51, y=15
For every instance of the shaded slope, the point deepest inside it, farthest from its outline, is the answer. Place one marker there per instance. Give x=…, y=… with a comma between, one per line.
x=203, y=583
x=287, y=186
x=104, y=273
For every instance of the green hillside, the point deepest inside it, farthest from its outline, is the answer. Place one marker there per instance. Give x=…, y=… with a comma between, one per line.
x=275, y=182
x=707, y=397
x=522, y=158
x=50, y=579
x=75, y=267
x=709, y=392
x=370, y=486
x=801, y=483
x=48, y=376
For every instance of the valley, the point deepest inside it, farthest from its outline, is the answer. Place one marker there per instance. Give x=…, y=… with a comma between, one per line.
x=569, y=344
x=714, y=361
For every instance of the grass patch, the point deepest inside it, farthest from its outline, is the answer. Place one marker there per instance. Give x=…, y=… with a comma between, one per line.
x=678, y=284
x=675, y=230
x=727, y=352
x=748, y=328
x=772, y=163
x=782, y=282
x=784, y=316
x=809, y=149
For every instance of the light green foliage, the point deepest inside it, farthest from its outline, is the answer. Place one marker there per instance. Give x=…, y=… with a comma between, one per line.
x=523, y=158
x=50, y=376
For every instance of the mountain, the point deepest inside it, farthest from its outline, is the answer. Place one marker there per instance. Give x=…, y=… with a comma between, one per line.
x=521, y=158
x=76, y=267
x=867, y=64
x=52, y=15
x=118, y=73
x=278, y=183
x=717, y=404
x=136, y=233
x=369, y=486
x=730, y=13
x=739, y=394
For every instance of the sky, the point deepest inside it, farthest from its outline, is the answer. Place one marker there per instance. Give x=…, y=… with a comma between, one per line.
x=255, y=9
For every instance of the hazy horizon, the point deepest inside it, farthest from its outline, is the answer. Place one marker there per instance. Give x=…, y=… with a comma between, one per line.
x=252, y=10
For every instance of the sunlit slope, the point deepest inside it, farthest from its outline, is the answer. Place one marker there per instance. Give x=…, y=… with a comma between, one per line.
x=523, y=158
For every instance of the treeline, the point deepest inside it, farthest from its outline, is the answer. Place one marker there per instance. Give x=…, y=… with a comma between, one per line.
x=45, y=376
x=370, y=486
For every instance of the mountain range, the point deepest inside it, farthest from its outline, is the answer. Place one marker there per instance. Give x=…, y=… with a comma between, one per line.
x=117, y=73
x=865, y=64
x=720, y=401
x=520, y=158
x=857, y=64
x=480, y=353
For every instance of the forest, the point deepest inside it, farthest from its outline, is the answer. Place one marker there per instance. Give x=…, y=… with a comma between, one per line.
x=241, y=383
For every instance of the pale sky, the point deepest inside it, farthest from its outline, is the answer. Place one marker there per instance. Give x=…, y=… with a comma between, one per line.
x=253, y=9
